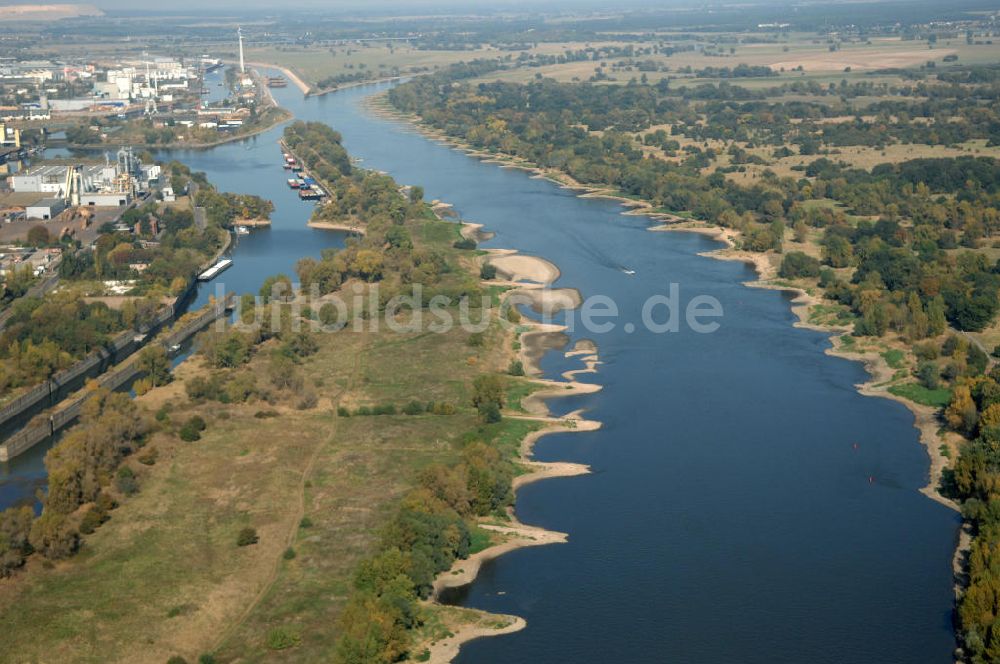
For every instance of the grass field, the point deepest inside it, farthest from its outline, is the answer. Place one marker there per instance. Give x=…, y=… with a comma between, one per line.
x=315, y=64
x=785, y=56
x=165, y=577
x=919, y=394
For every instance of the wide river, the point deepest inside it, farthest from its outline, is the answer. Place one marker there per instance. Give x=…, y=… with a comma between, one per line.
x=746, y=504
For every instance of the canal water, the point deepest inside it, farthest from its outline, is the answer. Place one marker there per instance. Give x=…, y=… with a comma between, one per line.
x=746, y=504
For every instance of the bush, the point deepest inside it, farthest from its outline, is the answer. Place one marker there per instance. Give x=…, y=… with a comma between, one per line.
x=191, y=431
x=464, y=243
x=488, y=271
x=148, y=456
x=266, y=414
x=306, y=522
x=125, y=481
x=444, y=408
x=929, y=375
x=177, y=659
x=516, y=368
x=307, y=400
x=413, y=408
x=342, y=411
x=105, y=502
x=281, y=638
x=163, y=413
x=289, y=554
x=796, y=264
x=475, y=339
x=53, y=536
x=384, y=409
x=38, y=236
x=489, y=412
x=247, y=537
x=92, y=520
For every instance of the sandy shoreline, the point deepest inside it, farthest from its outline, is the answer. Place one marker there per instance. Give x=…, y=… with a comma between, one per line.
x=332, y=226
x=925, y=418
x=516, y=267
x=763, y=264
x=530, y=275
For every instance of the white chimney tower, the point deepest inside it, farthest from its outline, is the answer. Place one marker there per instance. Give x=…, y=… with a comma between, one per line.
x=239, y=33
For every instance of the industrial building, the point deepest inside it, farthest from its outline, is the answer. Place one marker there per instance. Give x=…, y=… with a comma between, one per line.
x=45, y=209
x=113, y=184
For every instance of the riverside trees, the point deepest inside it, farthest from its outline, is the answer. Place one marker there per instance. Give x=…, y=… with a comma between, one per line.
x=909, y=219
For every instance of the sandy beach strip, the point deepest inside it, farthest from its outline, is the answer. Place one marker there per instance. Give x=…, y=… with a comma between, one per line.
x=515, y=267
x=333, y=226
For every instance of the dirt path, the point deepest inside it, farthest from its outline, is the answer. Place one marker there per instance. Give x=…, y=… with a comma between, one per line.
x=300, y=511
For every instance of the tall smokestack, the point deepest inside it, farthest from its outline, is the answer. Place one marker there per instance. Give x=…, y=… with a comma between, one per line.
x=239, y=33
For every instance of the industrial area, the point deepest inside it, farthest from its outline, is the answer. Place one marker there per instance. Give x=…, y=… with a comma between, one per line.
x=71, y=134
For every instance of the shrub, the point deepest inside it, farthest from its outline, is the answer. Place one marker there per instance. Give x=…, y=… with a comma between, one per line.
x=488, y=271
x=53, y=536
x=266, y=414
x=206, y=659
x=281, y=638
x=929, y=375
x=148, y=456
x=125, y=481
x=797, y=264
x=163, y=413
x=384, y=409
x=105, y=502
x=413, y=408
x=307, y=400
x=489, y=412
x=475, y=339
x=289, y=554
x=444, y=408
x=38, y=236
x=247, y=536
x=343, y=411
x=92, y=520
x=177, y=659
x=191, y=431
x=306, y=522
x=464, y=243
x=516, y=368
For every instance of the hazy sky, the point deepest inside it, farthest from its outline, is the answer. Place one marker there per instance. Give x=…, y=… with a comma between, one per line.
x=359, y=6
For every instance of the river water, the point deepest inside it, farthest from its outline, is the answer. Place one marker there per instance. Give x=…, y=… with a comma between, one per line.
x=746, y=504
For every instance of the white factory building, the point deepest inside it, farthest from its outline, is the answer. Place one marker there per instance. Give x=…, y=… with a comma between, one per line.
x=51, y=179
x=112, y=185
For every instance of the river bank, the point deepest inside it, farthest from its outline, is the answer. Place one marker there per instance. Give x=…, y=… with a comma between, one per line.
x=309, y=91
x=939, y=450
x=531, y=277
x=762, y=263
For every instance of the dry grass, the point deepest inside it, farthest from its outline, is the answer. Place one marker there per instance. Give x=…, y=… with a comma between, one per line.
x=165, y=576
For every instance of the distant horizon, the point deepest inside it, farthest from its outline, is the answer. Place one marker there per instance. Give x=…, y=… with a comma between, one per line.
x=407, y=6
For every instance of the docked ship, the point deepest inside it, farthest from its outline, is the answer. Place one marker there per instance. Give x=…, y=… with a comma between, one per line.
x=215, y=270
